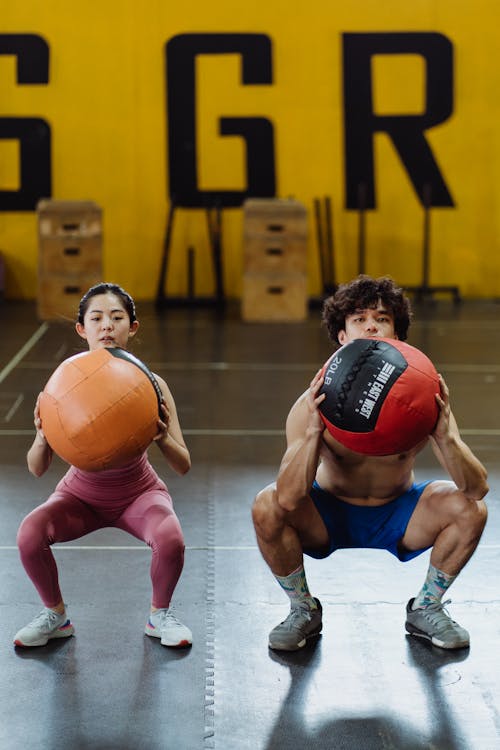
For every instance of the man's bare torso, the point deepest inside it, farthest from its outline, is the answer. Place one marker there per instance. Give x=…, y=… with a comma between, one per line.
x=364, y=480
x=360, y=479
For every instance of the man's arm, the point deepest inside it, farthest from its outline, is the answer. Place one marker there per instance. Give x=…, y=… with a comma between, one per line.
x=304, y=431
x=454, y=455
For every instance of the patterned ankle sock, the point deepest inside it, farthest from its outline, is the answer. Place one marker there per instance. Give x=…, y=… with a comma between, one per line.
x=434, y=588
x=295, y=586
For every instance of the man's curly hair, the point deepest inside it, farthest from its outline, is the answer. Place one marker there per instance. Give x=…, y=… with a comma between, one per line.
x=362, y=293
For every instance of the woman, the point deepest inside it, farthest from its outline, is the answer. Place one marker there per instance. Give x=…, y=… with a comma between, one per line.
x=131, y=497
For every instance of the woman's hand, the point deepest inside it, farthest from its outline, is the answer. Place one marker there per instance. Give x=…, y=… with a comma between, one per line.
x=163, y=423
x=40, y=454
x=169, y=438
x=38, y=420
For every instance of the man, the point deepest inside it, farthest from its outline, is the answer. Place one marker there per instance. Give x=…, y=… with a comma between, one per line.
x=326, y=496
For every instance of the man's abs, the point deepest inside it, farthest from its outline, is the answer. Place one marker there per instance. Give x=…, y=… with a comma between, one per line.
x=365, y=480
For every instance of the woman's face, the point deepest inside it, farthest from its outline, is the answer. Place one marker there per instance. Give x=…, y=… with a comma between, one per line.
x=106, y=323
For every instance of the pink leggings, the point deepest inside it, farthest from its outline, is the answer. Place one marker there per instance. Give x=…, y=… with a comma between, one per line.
x=64, y=517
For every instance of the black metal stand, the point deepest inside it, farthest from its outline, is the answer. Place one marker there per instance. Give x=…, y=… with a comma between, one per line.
x=425, y=289
x=214, y=225
x=326, y=249
x=361, y=228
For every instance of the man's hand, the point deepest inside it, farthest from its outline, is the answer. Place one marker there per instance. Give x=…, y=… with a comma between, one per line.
x=442, y=428
x=314, y=399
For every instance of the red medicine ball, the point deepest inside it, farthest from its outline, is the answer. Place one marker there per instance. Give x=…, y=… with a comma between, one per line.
x=100, y=409
x=380, y=396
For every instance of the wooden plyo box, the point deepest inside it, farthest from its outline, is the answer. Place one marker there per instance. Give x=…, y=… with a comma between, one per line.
x=274, y=260
x=68, y=218
x=274, y=236
x=69, y=255
x=72, y=255
x=281, y=254
x=271, y=216
x=59, y=295
x=267, y=297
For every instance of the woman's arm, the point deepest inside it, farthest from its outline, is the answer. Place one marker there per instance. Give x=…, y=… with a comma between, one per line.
x=170, y=439
x=40, y=454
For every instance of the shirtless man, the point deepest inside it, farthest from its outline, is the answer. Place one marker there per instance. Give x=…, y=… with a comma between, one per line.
x=327, y=497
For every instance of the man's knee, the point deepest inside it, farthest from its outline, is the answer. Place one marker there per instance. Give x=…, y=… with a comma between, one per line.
x=471, y=515
x=266, y=512
x=480, y=514
x=261, y=505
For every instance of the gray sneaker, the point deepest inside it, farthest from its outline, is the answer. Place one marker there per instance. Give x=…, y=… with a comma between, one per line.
x=435, y=624
x=47, y=625
x=291, y=634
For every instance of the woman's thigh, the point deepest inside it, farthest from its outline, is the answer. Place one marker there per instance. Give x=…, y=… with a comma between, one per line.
x=147, y=516
x=62, y=518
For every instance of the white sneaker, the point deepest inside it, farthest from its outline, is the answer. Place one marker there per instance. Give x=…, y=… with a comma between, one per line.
x=165, y=625
x=47, y=625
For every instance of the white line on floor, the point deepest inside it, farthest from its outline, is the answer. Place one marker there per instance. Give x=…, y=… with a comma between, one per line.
x=15, y=406
x=209, y=366
x=209, y=432
x=23, y=351
x=125, y=547
x=137, y=548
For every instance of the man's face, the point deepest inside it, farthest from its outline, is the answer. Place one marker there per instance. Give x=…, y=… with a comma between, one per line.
x=371, y=322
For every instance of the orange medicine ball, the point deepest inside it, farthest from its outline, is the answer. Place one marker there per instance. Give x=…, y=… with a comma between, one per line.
x=99, y=409
x=380, y=396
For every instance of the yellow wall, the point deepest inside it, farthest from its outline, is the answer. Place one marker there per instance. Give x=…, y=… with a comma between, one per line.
x=105, y=104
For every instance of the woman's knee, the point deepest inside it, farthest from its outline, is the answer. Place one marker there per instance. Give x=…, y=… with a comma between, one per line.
x=168, y=539
x=31, y=534
x=30, y=528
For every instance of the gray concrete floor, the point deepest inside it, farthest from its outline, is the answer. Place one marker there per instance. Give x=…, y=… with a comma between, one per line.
x=364, y=684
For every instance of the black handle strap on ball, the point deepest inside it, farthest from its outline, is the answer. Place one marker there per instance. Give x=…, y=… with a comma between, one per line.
x=351, y=376
x=128, y=357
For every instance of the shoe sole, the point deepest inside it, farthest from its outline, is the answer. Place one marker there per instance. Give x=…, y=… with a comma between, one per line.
x=295, y=646
x=43, y=641
x=412, y=630
x=181, y=644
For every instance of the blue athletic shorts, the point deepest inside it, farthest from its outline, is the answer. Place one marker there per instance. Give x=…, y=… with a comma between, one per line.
x=368, y=527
